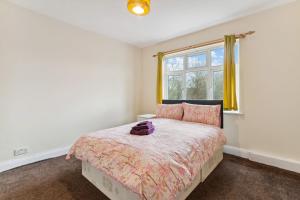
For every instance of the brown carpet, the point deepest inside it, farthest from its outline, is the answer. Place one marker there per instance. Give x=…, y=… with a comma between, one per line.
x=234, y=178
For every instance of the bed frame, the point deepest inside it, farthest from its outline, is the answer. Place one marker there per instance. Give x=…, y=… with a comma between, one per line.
x=116, y=191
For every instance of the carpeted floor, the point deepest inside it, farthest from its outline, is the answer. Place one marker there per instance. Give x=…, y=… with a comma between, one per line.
x=233, y=179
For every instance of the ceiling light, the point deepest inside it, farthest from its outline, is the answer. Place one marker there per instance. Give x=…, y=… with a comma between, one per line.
x=139, y=7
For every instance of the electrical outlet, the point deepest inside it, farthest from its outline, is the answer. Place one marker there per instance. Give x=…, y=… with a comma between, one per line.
x=19, y=152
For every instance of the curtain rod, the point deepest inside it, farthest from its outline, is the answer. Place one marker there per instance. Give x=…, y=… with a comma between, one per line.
x=238, y=36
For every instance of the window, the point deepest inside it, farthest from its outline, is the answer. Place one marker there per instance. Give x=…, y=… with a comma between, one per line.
x=196, y=74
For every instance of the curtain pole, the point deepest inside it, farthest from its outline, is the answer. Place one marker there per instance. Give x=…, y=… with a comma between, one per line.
x=238, y=36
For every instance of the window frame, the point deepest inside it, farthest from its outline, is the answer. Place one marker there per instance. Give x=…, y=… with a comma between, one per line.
x=208, y=67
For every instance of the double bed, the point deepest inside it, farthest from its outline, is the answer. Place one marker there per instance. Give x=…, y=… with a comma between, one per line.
x=168, y=164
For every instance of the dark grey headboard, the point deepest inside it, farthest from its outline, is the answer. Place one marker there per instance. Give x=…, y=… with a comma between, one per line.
x=200, y=102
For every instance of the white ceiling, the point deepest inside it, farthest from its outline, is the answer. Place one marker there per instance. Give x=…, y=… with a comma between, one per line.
x=167, y=19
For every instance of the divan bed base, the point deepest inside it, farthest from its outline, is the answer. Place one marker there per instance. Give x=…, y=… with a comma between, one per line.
x=116, y=191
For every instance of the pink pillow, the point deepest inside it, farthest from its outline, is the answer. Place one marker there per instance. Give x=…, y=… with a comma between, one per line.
x=205, y=114
x=172, y=111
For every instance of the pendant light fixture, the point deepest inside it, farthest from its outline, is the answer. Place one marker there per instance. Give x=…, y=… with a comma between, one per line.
x=139, y=7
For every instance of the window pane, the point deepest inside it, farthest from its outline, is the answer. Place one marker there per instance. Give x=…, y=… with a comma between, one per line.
x=236, y=53
x=218, y=85
x=196, y=85
x=198, y=60
x=217, y=56
x=174, y=64
x=175, y=87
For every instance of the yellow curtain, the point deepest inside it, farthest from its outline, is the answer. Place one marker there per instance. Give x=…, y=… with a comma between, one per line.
x=159, y=86
x=230, y=100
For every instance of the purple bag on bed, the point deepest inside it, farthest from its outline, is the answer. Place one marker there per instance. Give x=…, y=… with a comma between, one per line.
x=142, y=132
x=143, y=128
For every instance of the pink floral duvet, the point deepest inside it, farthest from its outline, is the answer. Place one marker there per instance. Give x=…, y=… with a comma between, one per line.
x=156, y=166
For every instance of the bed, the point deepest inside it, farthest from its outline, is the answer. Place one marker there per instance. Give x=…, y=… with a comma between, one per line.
x=168, y=164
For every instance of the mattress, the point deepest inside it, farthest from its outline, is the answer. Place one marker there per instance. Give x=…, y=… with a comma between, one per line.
x=157, y=166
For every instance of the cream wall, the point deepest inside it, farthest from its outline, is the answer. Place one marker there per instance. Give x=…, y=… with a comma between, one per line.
x=270, y=80
x=58, y=81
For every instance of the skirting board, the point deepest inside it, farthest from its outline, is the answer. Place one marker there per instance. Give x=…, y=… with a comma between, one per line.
x=10, y=164
x=287, y=164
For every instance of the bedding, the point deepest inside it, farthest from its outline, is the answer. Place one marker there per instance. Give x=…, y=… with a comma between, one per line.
x=172, y=111
x=156, y=166
x=207, y=114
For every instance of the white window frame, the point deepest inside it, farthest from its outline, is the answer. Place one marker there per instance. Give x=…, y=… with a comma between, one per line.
x=207, y=67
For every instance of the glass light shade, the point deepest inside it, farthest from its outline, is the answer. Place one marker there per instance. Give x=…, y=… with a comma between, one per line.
x=138, y=7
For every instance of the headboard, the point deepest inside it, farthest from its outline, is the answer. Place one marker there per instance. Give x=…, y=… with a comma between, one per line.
x=200, y=102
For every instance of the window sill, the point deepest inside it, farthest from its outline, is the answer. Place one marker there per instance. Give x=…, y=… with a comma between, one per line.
x=233, y=113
